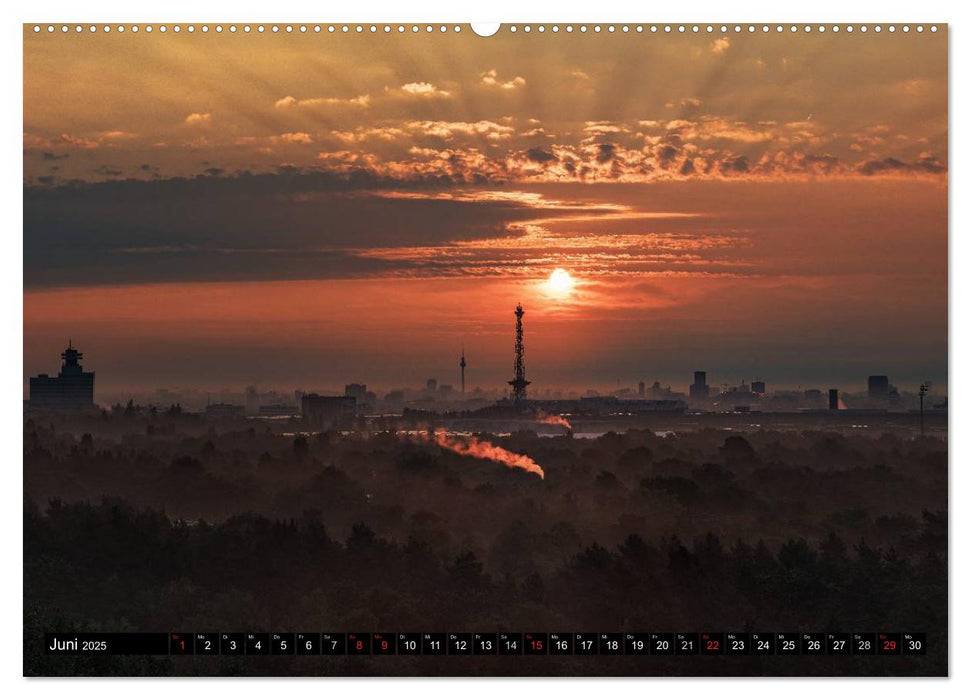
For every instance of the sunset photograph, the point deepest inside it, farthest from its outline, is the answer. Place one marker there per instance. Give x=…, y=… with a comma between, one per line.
x=380, y=347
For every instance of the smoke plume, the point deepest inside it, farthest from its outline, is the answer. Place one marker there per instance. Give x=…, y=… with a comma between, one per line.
x=483, y=449
x=554, y=420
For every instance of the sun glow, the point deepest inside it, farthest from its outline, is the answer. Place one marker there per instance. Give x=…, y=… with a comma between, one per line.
x=560, y=283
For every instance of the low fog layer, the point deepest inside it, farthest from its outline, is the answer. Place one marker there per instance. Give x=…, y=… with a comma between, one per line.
x=167, y=525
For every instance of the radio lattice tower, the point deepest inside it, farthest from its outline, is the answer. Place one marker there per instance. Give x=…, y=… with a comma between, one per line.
x=520, y=383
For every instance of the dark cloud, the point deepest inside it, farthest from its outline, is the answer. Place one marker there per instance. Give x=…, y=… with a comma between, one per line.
x=285, y=225
x=50, y=155
x=736, y=164
x=930, y=164
x=606, y=152
x=893, y=165
x=872, y=167
x=538, y=155
x=665, y=152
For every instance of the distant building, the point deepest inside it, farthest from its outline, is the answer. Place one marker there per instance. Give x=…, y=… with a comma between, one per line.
x=699, y=390
x=604, y=406
x=610, y=405
x=278, y=410
x=396, y=397
x=656, y=391
x=812, y=398
x=252, y=401
x=783, y=400
x=641, y=389
x=893, y=396
x=736, y=397
x=365, y=399
x=431, y=385
x=358, y=391
x=224, y=411
x=328, y=411
x=445, y=391
x=834, y=400
x=71, y=389
x=758, y=387
x=878, y=388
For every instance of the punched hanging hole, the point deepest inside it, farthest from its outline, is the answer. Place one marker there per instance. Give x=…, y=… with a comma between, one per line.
x=485, y=28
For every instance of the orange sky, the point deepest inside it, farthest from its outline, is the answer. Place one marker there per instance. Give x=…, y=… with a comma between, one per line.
x=302, y=211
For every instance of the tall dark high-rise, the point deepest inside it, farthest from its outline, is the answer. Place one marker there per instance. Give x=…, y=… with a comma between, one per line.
x=878, y=388
x=834, y=400
x=699, y=390
x=72, y=388
x=519, y=384
x=462, y=366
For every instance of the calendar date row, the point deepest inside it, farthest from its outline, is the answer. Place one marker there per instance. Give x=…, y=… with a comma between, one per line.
x=493, y=643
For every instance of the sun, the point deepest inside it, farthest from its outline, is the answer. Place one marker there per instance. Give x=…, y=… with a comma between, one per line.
x=560, y=283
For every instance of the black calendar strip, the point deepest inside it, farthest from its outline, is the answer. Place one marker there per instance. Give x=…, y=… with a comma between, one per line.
x=491, y=643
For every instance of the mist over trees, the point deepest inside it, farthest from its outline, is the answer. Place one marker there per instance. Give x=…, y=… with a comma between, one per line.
x=165, y=524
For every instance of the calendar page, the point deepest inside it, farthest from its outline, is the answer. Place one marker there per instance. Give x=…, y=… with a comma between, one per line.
x=516, y=350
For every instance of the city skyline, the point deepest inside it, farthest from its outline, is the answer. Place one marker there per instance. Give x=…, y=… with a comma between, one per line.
x=710, y=383
x=307, y=212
